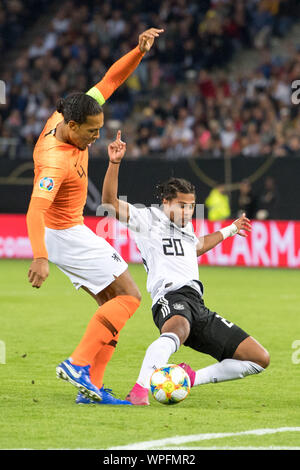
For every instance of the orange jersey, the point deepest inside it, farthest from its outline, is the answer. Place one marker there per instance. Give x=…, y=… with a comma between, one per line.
x=60, y=175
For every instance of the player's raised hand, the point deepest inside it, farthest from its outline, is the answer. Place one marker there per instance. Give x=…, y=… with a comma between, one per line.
x=117, y=149
x=243, y=224
x=146, y=39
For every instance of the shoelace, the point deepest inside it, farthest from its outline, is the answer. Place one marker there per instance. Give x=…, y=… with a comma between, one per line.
x=107, y=390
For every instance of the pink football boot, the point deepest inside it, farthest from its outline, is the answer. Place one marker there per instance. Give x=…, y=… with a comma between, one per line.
x=138, y=395
x=190, y=372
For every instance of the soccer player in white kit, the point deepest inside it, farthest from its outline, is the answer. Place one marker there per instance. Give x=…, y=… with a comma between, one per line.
x=169, y=249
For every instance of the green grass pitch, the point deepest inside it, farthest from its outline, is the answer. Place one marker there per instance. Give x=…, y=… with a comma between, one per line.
x=40, y=328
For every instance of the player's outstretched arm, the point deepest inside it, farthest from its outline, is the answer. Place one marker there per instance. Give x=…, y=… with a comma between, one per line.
x=124, y=67
x=208, y=242
x=110, y=202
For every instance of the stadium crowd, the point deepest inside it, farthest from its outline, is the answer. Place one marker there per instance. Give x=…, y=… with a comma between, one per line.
x=180, y=102
x=15, y=17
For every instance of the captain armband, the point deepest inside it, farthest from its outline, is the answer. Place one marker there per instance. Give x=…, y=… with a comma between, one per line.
x=96, y=94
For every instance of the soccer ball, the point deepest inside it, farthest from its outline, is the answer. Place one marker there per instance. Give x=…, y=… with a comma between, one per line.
x=170, y=384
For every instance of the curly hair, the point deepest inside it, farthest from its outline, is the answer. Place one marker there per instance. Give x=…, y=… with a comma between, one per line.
x=169, y=189
x=77, y=106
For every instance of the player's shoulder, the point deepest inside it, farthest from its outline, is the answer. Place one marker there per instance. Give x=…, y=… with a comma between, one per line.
x=140, y=218
x=155, y=213
x=48, y=150
x=190, y=232
x=51, y=124
x=150, y=213
x=50, y=154
x=54, y=119
x=190, y=228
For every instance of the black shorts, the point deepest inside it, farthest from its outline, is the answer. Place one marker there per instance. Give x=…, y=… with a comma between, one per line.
x=210, y=333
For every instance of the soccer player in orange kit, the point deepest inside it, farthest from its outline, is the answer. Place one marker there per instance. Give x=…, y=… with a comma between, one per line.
x=57, y=232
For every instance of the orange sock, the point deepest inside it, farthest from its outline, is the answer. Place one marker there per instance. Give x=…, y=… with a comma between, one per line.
x=100, y=362
x=104, y=326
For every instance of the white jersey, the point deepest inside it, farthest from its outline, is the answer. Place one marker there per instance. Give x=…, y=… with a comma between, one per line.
x=168, y=251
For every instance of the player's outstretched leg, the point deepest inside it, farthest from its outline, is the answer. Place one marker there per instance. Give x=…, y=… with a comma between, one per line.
x=249, y=358
x=157, y=355
x=174, y=333
x=79, y=376
x=107, y=399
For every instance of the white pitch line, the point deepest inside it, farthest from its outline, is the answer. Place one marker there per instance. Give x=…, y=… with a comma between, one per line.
x=178, y=440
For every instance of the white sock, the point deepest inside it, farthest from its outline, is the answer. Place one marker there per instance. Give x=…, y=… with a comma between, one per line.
x=228, y=369
x=157, y=355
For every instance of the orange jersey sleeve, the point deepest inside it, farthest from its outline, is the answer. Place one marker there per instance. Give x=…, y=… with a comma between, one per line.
x=116, y=75
x=35, y=220
x=49, y=178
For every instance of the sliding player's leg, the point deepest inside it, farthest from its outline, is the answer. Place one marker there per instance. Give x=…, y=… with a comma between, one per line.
x=251, y=350
x=239, y=354
x=175, y=329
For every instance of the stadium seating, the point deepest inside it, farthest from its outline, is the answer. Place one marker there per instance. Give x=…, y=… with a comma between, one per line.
x=180, y=102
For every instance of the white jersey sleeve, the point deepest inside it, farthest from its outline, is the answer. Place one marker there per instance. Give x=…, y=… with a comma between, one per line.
x=139, y=219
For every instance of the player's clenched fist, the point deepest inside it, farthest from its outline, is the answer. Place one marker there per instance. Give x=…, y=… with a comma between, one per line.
x=117, y=149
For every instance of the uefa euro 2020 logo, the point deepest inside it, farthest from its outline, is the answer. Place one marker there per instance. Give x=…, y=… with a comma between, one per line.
x=46, y=184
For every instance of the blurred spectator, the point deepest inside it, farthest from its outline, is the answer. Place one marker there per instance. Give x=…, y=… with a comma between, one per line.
x=38, y=48
x=228, y=134
x=267, y=200
x=217, y=204
x=293, y=146
x=16, y=16
x=247, y=201
x=13, y=123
